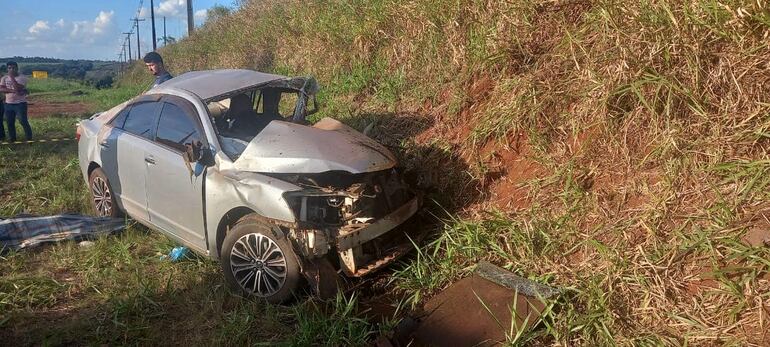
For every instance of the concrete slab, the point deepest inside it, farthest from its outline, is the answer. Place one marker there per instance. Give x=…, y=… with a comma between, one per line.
x=474, y=312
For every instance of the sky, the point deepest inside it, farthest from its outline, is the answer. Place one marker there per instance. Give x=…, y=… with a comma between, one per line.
x=90, y=29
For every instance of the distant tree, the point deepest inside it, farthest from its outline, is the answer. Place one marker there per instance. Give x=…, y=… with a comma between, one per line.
x=167, y=39
x=89, y=71
x=104, y=82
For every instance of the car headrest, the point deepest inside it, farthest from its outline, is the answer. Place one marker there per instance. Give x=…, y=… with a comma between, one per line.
x=241, y=104
x=216, y=109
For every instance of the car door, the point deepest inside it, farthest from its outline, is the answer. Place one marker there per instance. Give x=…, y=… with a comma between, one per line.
x=174, y=191
x=123, y=150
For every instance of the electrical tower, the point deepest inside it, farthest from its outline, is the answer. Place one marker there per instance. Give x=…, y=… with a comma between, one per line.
x=128, y=39
x=138, y=47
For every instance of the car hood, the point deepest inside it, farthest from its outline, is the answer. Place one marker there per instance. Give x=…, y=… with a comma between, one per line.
x=329, y=145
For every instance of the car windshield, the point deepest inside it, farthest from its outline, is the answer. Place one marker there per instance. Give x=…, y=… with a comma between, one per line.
x=238, y=118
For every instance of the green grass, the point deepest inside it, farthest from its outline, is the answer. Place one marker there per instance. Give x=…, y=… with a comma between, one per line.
x=43, y=178
x=69, y=91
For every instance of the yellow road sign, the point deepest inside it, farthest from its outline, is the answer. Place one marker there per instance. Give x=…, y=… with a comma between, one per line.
x=39, y=74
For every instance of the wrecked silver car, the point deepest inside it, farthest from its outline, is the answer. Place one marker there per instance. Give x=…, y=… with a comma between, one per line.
x=224, y=162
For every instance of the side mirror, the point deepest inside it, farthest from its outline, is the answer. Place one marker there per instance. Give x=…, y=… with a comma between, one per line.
x=207, y=157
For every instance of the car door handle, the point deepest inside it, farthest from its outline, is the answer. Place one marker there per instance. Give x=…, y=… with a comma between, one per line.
x=149, y=160
x=104, y=144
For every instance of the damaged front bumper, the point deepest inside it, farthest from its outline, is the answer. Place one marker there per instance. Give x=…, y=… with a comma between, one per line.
x=362, y=247
x=359, y=222
x=352, y=240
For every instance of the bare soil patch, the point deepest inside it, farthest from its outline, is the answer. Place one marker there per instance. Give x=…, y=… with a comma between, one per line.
x=510, y=169
x=758, y=233
x=43, y=108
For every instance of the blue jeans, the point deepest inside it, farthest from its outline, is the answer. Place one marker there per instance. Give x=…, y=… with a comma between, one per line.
x=11, y=112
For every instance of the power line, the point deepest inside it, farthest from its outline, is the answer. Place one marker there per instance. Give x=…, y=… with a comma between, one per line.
x=128, y=34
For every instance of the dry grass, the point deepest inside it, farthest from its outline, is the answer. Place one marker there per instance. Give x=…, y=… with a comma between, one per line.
x=650, y=119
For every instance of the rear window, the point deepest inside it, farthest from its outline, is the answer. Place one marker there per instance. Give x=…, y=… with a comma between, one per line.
x=287, y=104
x=120, y=119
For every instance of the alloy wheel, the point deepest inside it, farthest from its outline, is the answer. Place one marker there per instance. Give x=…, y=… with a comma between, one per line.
x=102, y=197
x=258, y=264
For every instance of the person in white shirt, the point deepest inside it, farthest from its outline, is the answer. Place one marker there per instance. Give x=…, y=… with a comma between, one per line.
x=14, y=85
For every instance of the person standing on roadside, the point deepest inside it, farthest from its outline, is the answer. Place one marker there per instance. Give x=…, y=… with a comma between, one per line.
x=14, y=85
x=154, y=63
x=2, y=112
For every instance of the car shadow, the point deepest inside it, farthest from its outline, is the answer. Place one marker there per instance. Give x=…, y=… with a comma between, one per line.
x=436, y=169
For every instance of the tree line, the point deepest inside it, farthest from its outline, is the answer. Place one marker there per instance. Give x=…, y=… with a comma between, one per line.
x=97, y=73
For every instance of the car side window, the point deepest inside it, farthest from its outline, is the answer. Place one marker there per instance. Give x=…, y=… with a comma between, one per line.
x=176, y=128
x=120, y=119
x=141, y=119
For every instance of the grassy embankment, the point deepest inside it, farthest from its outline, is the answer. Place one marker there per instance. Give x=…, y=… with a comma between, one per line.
x=621, y=146
x=616, y=150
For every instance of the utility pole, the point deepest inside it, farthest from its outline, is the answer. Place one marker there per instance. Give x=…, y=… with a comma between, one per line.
x=120, y=60
x=138, y=47
x=190, y=20
x=165, y=39
x=152, y=18
x=128, y=39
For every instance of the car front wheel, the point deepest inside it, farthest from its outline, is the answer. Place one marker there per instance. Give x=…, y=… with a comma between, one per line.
x=258, y=260
x=102, y=197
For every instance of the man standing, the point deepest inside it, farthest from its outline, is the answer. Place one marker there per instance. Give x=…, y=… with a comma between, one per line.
x=154, y=63
x=3, y=69
x=14, y=85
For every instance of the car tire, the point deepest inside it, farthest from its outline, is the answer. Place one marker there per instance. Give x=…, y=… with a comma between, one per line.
x=102, y=197
x=258, y=260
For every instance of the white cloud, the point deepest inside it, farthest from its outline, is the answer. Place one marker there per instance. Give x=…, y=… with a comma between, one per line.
x=89, y=31
x=39, y=27
x=172, y=8
x=201, y=15
x=67, y=38
x=103, y=21
x=144, y=12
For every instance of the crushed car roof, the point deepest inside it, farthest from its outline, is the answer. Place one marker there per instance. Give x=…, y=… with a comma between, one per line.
x=207, y=84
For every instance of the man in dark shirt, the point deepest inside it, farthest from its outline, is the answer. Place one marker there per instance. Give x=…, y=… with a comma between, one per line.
x=154, y=63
